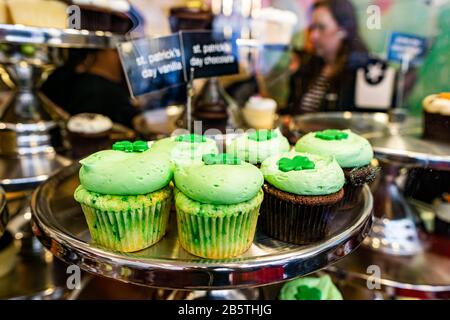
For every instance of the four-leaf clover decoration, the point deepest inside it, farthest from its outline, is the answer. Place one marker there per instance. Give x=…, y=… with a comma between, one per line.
x=308, y=293
x=332, y=134
x=295, y=164
x=262, y=135
x=222, y=158
x=128, y=146
x=192, y=137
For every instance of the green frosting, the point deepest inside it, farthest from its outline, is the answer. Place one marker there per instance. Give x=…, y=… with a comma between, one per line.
x=325, y=178
x=255, y=147
x=309, y=288
x=218, y=183
x=186, y=148
x=125, y=173
x=351, y=152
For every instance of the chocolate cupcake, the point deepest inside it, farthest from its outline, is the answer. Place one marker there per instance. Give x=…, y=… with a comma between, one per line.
x=437, y=117
x=301, y=192
x=352, y=152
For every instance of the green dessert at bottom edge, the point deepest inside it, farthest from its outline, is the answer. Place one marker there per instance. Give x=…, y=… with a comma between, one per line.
x=310, y=288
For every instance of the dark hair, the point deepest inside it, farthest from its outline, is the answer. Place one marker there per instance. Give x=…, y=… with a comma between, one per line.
x=344, y=14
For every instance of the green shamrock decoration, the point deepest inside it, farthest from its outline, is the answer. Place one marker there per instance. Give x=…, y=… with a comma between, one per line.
x=222, y=158
x=128, y=146
x=192, y=138
x=295, y=164
x=332, y=134
x=308, y=293
x=262, y=135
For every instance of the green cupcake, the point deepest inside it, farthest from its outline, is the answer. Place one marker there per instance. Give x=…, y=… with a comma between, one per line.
x=187, y=147
x=125, y=196
x=257, y=146
x=217, y=202
x=310, y=288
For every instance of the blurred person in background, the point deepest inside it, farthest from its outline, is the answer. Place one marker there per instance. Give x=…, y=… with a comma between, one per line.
x=324, y=72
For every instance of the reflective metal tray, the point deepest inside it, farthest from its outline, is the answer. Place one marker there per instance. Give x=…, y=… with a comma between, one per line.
x=60, y=225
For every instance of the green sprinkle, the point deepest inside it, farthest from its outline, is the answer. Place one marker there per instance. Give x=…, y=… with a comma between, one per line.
x=127, y=146
x=140, y=146
x=192, y=138
x=223, y=158
x=308, y=293
x=296, y=164
x=262, y=135
x=331, y=134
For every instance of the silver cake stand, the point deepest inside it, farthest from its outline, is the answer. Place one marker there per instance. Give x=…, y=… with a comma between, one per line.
x=407, y=261
x=60, y=225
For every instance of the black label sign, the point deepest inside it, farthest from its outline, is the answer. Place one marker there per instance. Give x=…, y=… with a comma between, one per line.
x=209, y=53
x=158, y=63
x=152, y=64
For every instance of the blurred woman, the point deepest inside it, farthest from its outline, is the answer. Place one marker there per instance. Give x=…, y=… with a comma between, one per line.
x=324, y=74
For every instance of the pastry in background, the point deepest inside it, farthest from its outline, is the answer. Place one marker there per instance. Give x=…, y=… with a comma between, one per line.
x=217, y=202
x=38, y=13
x=125, y=194
x=310, y=288
x=437, y=117
x=88, y=133
x=260, y=113
x=301, y=193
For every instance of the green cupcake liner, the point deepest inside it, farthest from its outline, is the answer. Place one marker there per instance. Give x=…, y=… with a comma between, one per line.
x=220, y=236
x=128, y=230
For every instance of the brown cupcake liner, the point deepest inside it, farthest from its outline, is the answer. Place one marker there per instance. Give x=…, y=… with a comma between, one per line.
x=293, y=222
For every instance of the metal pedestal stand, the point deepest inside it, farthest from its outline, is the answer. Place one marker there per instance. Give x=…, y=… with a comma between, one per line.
x=60, y=225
